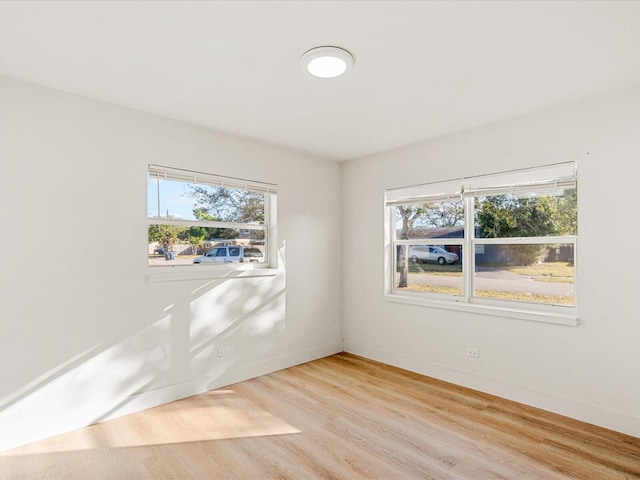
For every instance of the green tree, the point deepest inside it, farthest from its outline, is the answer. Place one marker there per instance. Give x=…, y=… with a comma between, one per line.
x=165, y=235
x=194, y=236
x=439, y=215
x=203, y=213
x=228, y=204
x=228, y=233
x=504, y=216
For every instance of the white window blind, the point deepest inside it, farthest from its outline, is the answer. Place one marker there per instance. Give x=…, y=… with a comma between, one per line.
x=187, y=176
x=428, y=192
x=547, y=179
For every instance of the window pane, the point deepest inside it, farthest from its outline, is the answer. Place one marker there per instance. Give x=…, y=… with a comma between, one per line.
x=180, y=252
x=186, y=243
x=539, y=273
x=527, y=215
x=430, y=220
x=189, y=201
x=169, y=199
x=429, y=268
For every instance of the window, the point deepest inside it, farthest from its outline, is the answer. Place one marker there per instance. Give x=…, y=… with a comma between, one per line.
x=520, y=228
x=196, y=218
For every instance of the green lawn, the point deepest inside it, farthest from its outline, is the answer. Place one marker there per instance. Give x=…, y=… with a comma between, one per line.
x=526, y=297
x=511, y=296
x=559, y=272
x=454, y=270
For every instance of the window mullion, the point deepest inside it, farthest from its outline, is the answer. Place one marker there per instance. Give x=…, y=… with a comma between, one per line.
x=391, y=242
x=527, y=240
x=205, y=223
x=468, y=257
x=431, y=241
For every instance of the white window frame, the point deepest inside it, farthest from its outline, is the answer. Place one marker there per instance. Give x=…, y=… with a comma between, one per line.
x=218, y=270
x=466, y=190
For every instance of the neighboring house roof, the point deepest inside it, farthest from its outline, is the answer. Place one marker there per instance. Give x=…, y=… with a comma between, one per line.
x=445, y=232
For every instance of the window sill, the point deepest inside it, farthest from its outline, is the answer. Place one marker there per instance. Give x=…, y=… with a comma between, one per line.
x=521, y=314
x=197, y=272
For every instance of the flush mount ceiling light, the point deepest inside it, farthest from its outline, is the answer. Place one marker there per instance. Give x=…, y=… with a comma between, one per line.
x=327, y=62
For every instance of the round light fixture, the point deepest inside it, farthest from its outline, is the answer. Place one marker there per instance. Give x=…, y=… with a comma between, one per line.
x=327, y=62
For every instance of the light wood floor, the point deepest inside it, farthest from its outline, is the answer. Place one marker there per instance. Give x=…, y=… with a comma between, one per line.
x=341, y=417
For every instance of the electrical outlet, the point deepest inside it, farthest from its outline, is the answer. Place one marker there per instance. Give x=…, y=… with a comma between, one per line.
x=473, y=352
x=223, y=351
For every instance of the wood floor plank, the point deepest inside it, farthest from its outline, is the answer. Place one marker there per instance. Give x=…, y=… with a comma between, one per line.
x=340, y=417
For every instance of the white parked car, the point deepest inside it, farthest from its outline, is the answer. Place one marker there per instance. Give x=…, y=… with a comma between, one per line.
x=231, y=254
x=431, y=253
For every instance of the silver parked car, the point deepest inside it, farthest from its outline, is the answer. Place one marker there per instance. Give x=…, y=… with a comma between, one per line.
x=231, y=254
x=431, y=254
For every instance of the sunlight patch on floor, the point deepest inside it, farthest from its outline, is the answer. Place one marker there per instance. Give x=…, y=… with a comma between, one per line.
x=215, y=415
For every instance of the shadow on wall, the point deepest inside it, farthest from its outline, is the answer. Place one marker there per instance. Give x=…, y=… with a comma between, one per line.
x=198, y=336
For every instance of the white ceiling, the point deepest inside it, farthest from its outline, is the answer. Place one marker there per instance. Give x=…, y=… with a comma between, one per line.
x=423, y=69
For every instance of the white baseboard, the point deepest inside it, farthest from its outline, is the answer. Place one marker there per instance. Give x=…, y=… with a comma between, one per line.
x=592, y=414
x=234, y=374
x=30, y=429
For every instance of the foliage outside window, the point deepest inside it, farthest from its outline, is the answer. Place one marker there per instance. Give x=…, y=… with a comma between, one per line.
x=191, y=213
x=520, y=227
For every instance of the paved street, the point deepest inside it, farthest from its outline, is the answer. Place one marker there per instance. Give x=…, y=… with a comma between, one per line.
x=497, y=280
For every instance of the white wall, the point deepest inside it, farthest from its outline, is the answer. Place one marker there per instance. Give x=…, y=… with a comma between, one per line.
x=84, y=336
x=589, y=372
